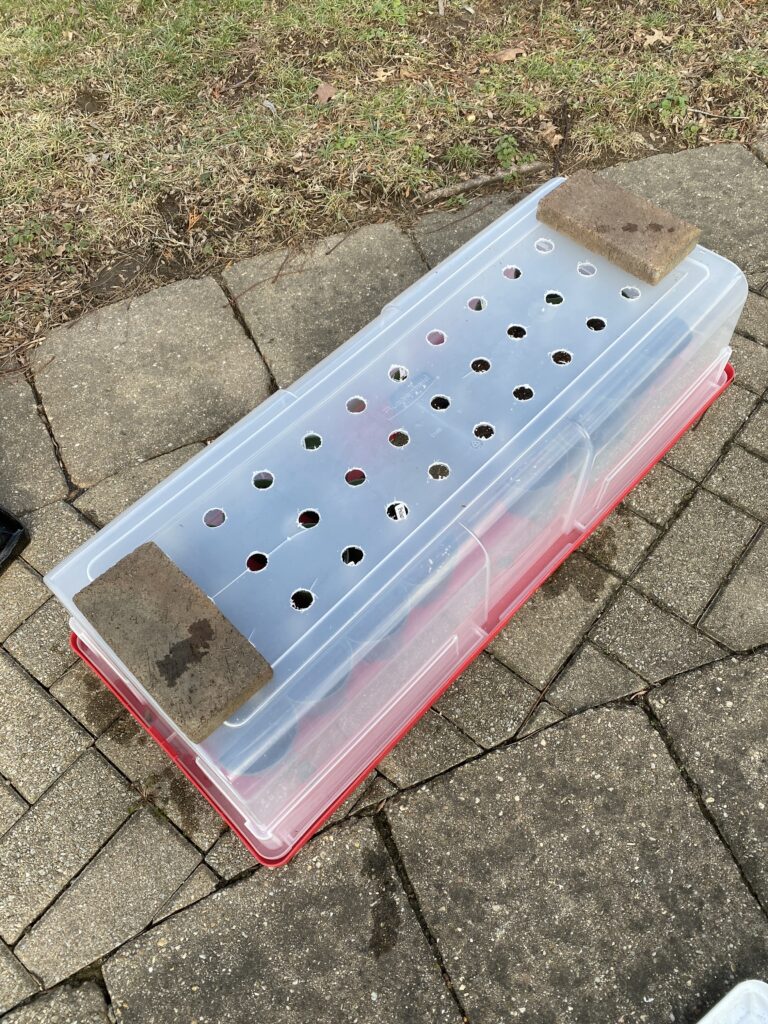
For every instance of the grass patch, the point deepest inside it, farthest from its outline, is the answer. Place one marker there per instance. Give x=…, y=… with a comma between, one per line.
x=143, y=140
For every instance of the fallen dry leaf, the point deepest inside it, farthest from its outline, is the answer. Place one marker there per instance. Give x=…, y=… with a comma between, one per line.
x=657, y=36
x=550, y=134
x=324, y=93
x=511, y=53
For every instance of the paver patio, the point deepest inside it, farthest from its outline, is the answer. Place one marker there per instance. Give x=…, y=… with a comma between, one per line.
x=576, y=832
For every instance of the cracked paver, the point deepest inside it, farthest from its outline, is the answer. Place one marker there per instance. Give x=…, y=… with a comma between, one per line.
x=69, y=1004
x=739, y=616
x=41, y=643
x=30, y=475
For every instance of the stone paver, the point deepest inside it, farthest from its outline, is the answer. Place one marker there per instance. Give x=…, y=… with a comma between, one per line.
x=721, y=189
x=717, y=721
x=488, y=702
x=539, y=870
x=54, y=531
x=753, y=322
x=440, y=233
x=698, y=449
x=21, y=593
x=29, y=473
x=16, y=983
x=145, y=376
x=369, y=794
x=38, y=739
x=541, y=717
x=133, y=750
x=229, y=857
x=739, y=616
x=85, y=696
x=11, y=807
x=187, y=808
x=651, y=642
x=299, y=307
x=113, y=495
x=57, y=837
x=542, y=634
x=331, y=939
x=660, y=494
x=113, y=899
x=754, y=436
x=591, y=679
x=41, y=643
x=621, y=541
x=76, y=1004
x=432, y=746
x=692, y=559
x=742, y=479
x=200, y=883
x=750, y=361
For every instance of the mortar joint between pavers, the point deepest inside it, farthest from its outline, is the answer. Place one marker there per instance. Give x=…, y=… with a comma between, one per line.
x=699, y=624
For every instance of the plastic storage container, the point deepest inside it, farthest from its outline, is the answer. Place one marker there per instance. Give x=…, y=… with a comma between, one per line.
x=747, y=1003
x=370, y=529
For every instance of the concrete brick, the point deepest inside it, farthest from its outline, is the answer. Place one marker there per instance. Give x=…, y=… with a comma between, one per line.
x=753, y=322
x=229, y=857
x=21, y=593
x=54, y=531
x=69, y=1004
x=11, y=807
x=742, y=479
x=41, y=643
x=591, y=679
x=16, y=983
x=739, y=616
x=754, y=436
x=200, y=884
x=660, y=494
x=698, y=449
x=750, y=361
x=621, y=541
x=432, y=746
x=84, y=695
x=29, y=473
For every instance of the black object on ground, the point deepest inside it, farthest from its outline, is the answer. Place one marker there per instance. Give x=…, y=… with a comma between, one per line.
x=13, y=537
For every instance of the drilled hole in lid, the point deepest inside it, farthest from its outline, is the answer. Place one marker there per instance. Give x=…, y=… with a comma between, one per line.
x=512, y=273
x=561, y=357
x=399, y=438
x=516, y=331
x=263, y=479
x=308, y=518
x=553, y=298
x=596, y=323
x=397, y=510
x=439, y=471
x=544, y=245
x=484, y=431
x=352, y=555
x=256, y=561
x=355, y=477
x=356, y=404
x=398, y=373
x=476, y=303
x=587, y=269
x=436, y=337
x=480, y=365
x=523, y=393
x=440, y=402
x=302, y=599
x=312, y=441
x=630, y=292
x=215, y=517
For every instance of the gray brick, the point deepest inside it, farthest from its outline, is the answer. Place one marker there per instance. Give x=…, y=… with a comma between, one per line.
x=81, y=1004
x=750, y=360
x=754, y=320
x=187, y=808
x=742, y=479
x=301, y=306
x=739, y=617
x=200, y=884
x=651, y=642
x=38, y=740
x=372, y=790
x=717, y=720
x=488, y=702
x=16, y=983
x=621, y=541
x=85, y=696
x=55, y=531
x=41, y=643
x=432, y=746
x=699, y=448
x=11, y=807
x=331, y=938
x=550, y=624
x=145, y=376
x=690, y=562
x=660, y=494
x=440, y=233
x=133, y=750
x=115, y=494
x=755, y=434
x=591, y=679
x=48, y=846
x=106, y=905
x=29, y=473
x=229, y=857
x=542, y=717
x=21, y=593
